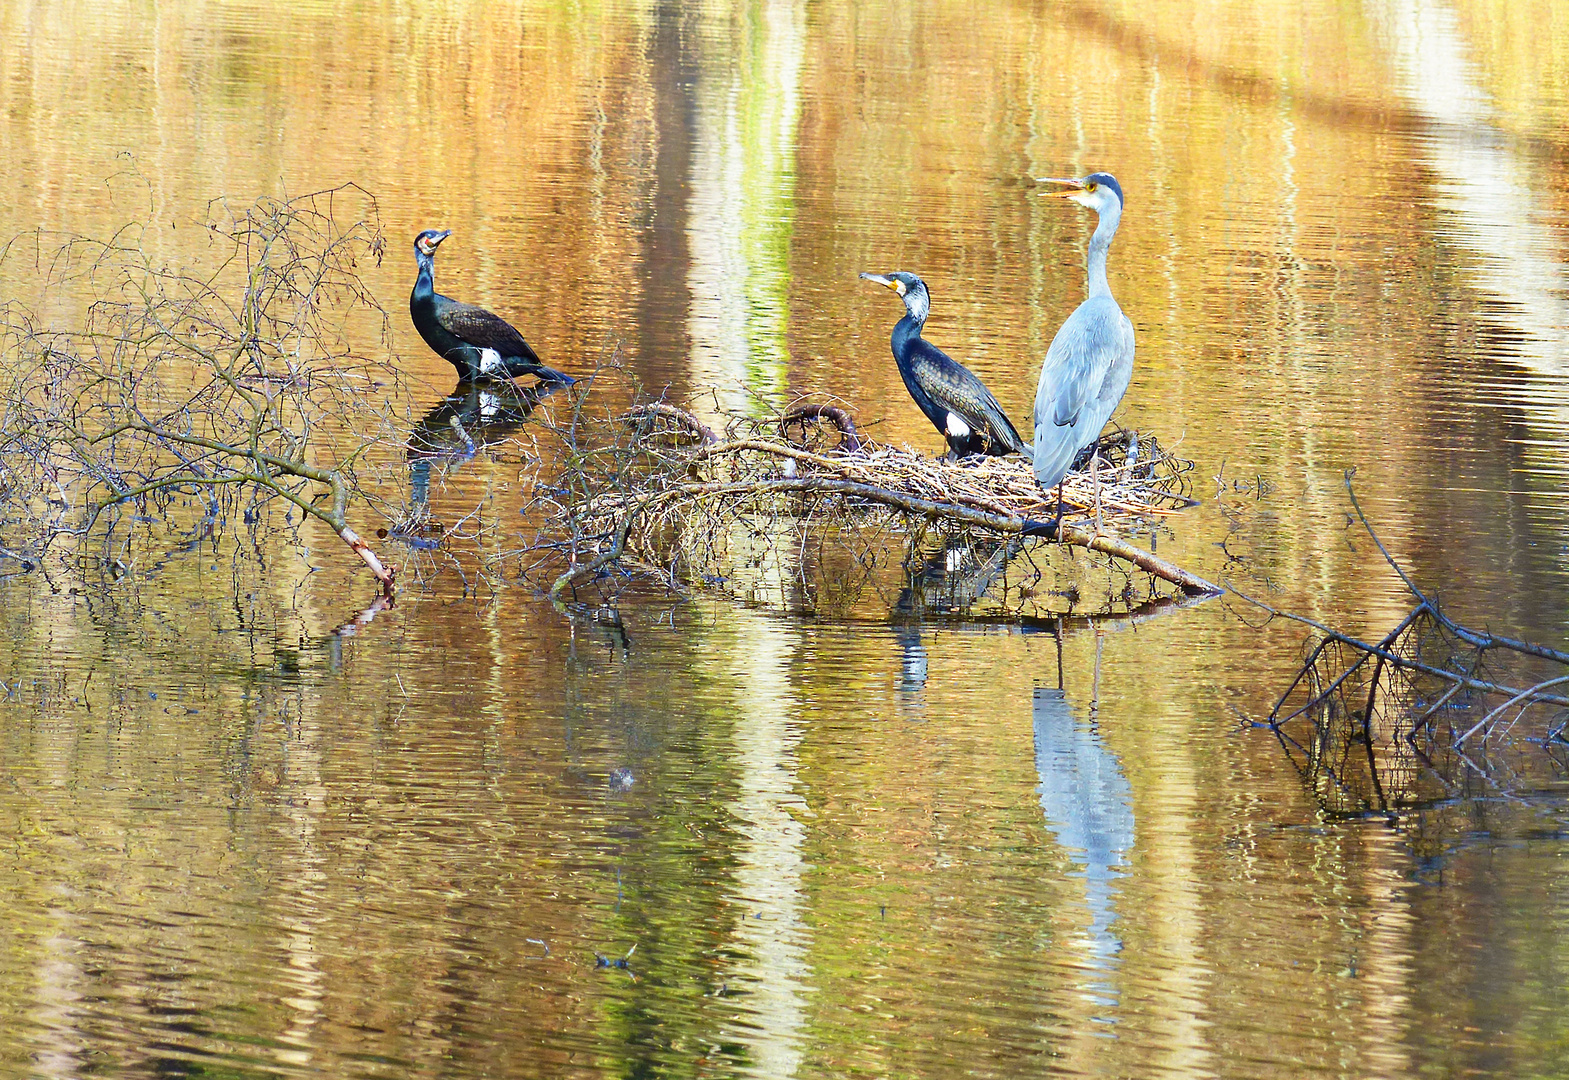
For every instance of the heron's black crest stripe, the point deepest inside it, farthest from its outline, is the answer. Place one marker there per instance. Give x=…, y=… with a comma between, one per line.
x=1107, y=180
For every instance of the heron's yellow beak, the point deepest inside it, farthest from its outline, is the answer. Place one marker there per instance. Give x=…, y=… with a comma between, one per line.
x=1074, y=186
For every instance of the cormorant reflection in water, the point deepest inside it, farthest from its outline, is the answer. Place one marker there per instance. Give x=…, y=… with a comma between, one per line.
x=461, y=423
x=946, y=579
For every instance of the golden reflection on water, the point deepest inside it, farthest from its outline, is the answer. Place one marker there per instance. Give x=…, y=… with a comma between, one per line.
x=833, y=848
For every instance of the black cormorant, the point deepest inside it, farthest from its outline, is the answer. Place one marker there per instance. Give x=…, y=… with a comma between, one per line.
x=479, y=343
x=948, y=392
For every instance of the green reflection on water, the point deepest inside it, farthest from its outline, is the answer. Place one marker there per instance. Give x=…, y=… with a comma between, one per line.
x=742, y=208
x=348, y=849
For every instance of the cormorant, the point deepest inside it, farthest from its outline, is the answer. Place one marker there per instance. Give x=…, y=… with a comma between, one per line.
x=479, y=343
x=1090, y=361
x=948, y=393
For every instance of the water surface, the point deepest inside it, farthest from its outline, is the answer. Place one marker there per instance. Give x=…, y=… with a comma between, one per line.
x=705, y=838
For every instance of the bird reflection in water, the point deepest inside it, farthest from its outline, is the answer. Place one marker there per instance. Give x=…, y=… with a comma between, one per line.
x=1088, y=805
x=948, y=579
x=455, y=429
x=951, y=577
x=912, y=663
x=473, y=414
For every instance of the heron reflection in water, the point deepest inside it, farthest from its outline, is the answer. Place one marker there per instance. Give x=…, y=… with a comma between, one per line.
x=1088, y=805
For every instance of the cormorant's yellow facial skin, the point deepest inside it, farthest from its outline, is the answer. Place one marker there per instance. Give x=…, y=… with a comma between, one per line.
x=898, y=286
x=429, y=242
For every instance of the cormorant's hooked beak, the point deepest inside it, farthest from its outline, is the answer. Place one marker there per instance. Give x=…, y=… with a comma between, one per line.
x=1074, y=186
x=429, y=242
x=893, y=283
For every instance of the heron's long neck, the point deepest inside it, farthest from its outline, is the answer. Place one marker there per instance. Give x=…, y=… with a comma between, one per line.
x=1100, y=243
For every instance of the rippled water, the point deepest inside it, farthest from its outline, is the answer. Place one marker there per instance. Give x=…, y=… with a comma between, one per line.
x=697, y=837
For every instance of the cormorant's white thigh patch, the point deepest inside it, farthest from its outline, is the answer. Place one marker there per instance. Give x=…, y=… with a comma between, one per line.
x=489, y=361
x=956, y=427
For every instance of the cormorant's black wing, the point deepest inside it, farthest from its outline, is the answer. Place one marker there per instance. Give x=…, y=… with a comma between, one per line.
x=954, y=387
x=482, y=329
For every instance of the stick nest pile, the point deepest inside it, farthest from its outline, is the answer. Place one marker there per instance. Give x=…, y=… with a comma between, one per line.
x=800, y=491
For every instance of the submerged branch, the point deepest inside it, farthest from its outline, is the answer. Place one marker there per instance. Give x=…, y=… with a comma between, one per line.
x=1473, y=637
x=1393, y=724
x=1383, y=652
x=184, y=380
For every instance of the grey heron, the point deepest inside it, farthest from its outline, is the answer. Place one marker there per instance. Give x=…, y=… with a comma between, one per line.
x=1090, y=361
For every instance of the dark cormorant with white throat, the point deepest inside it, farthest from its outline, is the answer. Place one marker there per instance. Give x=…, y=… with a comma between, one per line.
x=479, y=343
x=948, y=393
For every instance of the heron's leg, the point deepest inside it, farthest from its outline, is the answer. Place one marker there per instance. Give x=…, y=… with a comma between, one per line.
x=1095, y=486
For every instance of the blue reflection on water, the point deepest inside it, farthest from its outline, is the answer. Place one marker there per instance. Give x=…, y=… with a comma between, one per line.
x=1089, y=807
x=912, y=664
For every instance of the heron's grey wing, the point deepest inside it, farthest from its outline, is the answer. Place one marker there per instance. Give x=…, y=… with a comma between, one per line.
x=954, y=387
x=1093, y=341
x=482, y=329
x=1119, y=374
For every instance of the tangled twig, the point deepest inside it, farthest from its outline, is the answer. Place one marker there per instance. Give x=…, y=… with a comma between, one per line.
x=182, y=382
x=1391, y=722
x=689, y=491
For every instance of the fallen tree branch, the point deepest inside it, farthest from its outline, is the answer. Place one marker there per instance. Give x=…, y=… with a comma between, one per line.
x=1480, y=640
x=850, y=438
x=1383, y=653
x=1393, y=723
x=218, y=380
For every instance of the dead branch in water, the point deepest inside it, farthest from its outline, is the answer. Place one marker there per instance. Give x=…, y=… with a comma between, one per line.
x=237, y=383
x=1422, y=713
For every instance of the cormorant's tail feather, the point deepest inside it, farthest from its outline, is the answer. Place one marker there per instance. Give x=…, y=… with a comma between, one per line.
x=551, y=375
